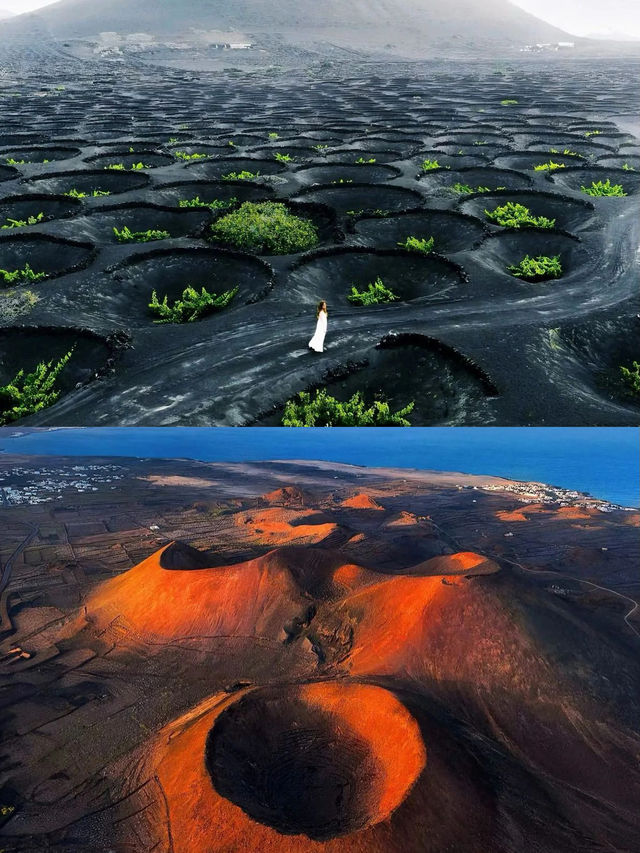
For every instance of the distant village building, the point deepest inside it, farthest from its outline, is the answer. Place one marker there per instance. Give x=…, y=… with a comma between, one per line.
x=231, y=45
x=545, y=46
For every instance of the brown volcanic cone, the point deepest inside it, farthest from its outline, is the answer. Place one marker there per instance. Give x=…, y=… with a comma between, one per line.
x=504, y=678
x=361, y=501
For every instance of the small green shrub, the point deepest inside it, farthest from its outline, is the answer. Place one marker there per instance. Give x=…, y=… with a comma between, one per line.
x=511, y=215
x=416, y=244
x=12, y=162
x=465, y=189
x=567, y=151
x=507, y=102
x=480, y=142
x=361, y=161
x=591, y=133
x=631, y=377
x=283, y=158
x=266, y=227
x=322, y=410
x=93, y=194
x=605, y=188
x=244, y=175
x=192, y=306
x=182, y=155
x=551, y=166
x=430, y=165
x=22, y=276
x=216, y=204
x=375, y=294
x=628, y=168
x=537, y=269
x=274, y=136
x=23, y=223
x=125, y=235
x=28, y=393
x=378, y=212
x=120, y=167
x=320, y=147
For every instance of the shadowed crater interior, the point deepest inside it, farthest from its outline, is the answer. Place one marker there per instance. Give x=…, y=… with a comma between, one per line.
x=452, y=232
x=320, y=760
x=90, y=181
x=444, y=181
x=22, y=348
x=411, y=276
x=170, y=271
x=361, y=198
x=50, y=255
x=569, y=214
x=21, y=207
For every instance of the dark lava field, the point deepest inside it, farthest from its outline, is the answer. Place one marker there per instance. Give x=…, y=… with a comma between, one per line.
x=467, y=341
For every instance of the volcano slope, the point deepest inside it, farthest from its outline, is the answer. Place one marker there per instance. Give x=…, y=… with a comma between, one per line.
x=368, y=660
x=369, y=161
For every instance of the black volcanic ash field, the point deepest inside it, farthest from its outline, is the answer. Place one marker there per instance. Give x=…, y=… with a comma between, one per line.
x=468, y=342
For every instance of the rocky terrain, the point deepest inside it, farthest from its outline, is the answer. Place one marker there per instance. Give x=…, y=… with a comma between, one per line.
x=314, y=657
x=401, y=151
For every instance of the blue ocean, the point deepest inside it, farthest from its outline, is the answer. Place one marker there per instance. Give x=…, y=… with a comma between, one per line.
x=603, y=462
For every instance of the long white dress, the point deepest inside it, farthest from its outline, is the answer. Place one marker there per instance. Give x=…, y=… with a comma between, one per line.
x=317, y=341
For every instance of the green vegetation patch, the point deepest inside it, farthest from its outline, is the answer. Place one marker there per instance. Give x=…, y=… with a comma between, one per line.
x=605, y=188
x=424, y=245
x=125, y=235
x=283, y=158
x=465, y=189
x=182, y=155
x=28, y=393
x=375, y=294
x=120, y=167
x=566, y=151
x=23, y=223
x=191, y=306
x=541, y=268
x=377, y=213
x=512, y=215
x=216, y=204
x=429, y=165
x=551, y=166
x=507, y=102
x=93, y=194
x=267, y=227
x=22, y=276
x=631, y=377
x=322, y=410
x=244, y=175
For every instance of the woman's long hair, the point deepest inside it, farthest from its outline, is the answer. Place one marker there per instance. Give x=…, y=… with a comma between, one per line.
x=322, y=306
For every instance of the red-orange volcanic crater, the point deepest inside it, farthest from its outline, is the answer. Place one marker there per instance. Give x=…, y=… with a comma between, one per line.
x=292, y=768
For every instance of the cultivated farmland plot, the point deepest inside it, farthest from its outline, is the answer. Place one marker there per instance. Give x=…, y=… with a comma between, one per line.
x=499, y=212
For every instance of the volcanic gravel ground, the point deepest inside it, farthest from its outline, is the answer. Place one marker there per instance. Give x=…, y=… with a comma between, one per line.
x=495, y=349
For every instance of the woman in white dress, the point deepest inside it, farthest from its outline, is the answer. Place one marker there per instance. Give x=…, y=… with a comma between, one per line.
x=317, y=341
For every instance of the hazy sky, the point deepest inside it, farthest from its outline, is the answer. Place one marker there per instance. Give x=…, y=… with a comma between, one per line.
x=577, y=16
